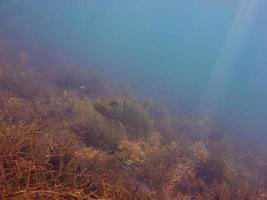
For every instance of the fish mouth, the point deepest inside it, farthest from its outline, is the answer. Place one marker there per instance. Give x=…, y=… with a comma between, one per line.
x=100, y=108
x=103, y=110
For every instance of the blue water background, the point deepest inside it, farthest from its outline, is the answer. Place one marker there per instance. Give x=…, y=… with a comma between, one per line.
x=200, y=56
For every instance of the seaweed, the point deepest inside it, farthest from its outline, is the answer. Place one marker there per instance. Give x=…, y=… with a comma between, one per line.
x=55, y=145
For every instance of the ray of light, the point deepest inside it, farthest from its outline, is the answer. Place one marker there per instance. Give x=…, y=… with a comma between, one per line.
x=224, y=68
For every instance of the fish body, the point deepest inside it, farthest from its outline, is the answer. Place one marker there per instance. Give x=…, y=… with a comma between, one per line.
x=129, y=113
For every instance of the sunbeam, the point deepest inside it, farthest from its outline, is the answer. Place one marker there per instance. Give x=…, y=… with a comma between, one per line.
x=223, y=70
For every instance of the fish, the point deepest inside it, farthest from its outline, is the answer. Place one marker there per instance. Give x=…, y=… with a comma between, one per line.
x=131, y=114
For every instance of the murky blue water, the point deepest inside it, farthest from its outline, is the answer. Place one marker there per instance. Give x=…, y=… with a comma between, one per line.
x=201, y=56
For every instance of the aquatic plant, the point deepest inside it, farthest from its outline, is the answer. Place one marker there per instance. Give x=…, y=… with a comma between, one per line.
x=131, y=153
x=211, y=170
x=55, y=145
x=55, y=175
x=24, y=83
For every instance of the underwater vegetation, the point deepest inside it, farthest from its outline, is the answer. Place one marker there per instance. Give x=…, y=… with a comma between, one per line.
x=59, y=140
